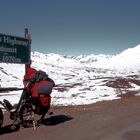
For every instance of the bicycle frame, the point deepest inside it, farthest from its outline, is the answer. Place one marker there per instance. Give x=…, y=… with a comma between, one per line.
x=24, y=114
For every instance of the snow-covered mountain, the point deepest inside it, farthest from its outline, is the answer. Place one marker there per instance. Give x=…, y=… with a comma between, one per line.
x=82, y=79
x=128, y=59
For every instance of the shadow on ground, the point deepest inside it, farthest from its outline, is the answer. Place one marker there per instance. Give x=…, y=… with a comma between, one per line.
x=9, y=129
x=54, y=120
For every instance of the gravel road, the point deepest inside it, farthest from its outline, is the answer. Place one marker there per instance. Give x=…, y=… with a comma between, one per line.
x=110, y=120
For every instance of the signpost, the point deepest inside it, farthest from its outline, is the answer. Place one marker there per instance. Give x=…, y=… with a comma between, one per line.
x=14, y=49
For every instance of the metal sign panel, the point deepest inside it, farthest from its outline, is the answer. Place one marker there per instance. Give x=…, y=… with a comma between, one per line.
x=14, y=49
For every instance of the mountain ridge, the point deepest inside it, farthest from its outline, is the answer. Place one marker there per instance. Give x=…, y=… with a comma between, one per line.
x=81, y=79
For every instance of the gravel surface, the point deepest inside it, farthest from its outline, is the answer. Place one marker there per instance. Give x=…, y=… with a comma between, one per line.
x=112, y=120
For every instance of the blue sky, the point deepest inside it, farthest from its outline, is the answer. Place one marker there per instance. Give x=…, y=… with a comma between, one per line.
x=74, y=27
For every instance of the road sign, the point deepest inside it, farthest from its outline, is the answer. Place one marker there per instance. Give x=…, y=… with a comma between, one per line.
x=14, y=49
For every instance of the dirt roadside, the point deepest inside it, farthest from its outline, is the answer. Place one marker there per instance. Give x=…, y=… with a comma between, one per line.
x=112, y=120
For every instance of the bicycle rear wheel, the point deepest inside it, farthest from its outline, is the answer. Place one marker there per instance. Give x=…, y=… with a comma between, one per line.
x=1, y=117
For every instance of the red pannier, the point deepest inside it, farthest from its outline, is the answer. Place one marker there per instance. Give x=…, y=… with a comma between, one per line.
x=41, y=104
x=40, y=92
